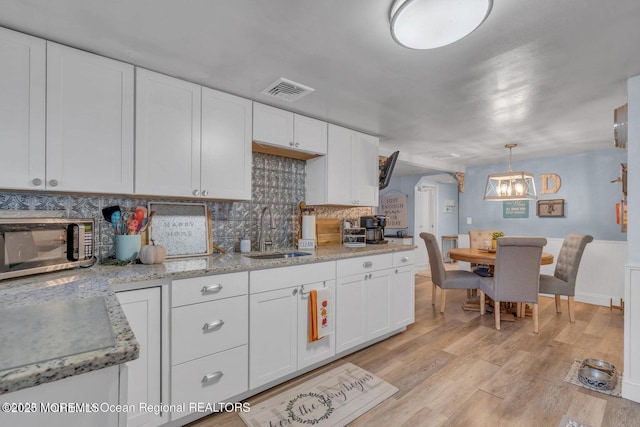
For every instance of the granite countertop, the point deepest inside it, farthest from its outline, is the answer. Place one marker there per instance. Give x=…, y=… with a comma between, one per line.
x=90, y=287
x=76, y=348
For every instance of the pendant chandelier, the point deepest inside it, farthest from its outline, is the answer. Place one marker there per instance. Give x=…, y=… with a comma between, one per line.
x=510, y=185
x=429, y=24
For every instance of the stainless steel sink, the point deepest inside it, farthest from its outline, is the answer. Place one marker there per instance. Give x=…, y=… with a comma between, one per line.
x=278, y=255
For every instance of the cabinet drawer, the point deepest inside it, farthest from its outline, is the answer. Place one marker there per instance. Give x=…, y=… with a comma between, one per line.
x=201, y=329
x=208, y=288
x=227, y=372
x=401, y=259
x=347, y=267
x=286, y=277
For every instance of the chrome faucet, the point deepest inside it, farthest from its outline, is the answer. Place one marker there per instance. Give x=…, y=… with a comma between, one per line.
x=263, y=240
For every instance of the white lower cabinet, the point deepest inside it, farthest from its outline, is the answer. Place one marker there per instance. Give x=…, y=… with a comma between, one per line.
x=101, y=387
x=279, y=321
x=363, y=311
x=403, y=278
x=209, y=336
x=143, y=310
x=373, y=297
x=210, y=379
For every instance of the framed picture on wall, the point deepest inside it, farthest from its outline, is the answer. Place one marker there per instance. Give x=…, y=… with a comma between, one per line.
x=550, y=208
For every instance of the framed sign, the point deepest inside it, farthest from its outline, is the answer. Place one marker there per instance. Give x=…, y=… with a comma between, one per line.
x=550, y=208
x=394, y=207
x=515, y=209
x=182, y=228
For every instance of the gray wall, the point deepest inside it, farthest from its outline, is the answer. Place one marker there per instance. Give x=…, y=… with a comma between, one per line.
x=589, y=196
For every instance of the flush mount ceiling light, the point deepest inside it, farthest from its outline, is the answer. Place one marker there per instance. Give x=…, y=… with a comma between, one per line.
x=510, y=185
x=428, y=24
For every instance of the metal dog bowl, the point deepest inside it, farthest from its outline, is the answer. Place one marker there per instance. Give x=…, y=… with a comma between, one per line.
x=596, y=378
x=600, y=365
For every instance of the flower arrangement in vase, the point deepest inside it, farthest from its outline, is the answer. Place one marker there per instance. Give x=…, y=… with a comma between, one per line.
x=494, y=241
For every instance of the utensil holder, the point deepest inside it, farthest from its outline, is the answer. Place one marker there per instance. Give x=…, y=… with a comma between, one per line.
x=128, y=246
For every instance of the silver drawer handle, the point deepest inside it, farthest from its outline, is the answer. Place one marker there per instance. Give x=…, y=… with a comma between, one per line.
x=210, y=378
x=209, y=289
x=367, y=264
x=404, y=259
x=216, y=324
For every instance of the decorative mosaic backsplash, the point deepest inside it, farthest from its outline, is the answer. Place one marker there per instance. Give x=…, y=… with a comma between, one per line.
x=277, y=183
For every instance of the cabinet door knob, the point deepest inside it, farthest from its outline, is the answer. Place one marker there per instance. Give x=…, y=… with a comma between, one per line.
x=196, y=192
x=37, y=182
x=210, y=378
x=205, y=192
x=404, y=259
x=53, y=182
x=216, y=324
x=210, y=289
x=291, y=144
x=367, y=264
x=297, y=144
x=295, y=291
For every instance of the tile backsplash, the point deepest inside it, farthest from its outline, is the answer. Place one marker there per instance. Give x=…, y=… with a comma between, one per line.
x=277, y=182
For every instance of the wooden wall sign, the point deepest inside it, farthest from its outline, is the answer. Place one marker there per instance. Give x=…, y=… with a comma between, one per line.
x=548, y=178
x=394, y=207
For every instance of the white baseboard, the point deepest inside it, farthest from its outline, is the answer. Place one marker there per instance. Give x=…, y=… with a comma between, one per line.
x=630, y=390
x=596, y=299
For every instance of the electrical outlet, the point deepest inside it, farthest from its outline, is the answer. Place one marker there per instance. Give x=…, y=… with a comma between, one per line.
x=469, y=220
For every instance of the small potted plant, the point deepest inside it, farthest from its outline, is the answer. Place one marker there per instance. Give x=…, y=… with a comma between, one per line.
x=494, y=241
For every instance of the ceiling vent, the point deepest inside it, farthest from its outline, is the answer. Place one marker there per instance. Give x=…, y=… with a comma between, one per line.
x=287, y=90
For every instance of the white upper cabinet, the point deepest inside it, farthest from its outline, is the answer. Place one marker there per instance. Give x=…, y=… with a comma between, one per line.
x=191, y=141
x=226, y=146
x=285, y=129
x=167, y=135
x=89, y=122
x=22, y=111
x=348, y=174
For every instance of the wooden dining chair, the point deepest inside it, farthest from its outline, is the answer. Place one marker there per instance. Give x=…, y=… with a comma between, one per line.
x=451, y=279
x=516, y=275
x=563, y=281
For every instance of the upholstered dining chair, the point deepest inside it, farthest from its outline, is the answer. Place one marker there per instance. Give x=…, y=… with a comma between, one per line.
x=516, y=276
x=452, y=279
x=563, y=281
x=476, y=240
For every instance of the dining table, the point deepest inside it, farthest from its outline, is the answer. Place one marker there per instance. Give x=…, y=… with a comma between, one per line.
x=486, y=257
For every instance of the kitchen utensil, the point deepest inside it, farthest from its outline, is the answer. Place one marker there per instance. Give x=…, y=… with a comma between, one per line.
x=116, y=218
x=140, y=213
x=109, y=211
x=133, y=226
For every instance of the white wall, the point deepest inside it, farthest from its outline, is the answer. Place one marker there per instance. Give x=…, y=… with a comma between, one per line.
x=631, y=379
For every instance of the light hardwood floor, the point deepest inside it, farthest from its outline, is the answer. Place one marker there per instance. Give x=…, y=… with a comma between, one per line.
x=456, y=369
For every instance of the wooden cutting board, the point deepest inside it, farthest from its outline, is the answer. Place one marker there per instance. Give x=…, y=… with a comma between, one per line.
x=328, y=232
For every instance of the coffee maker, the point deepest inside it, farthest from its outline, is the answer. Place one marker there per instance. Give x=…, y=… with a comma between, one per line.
x=374, y=229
